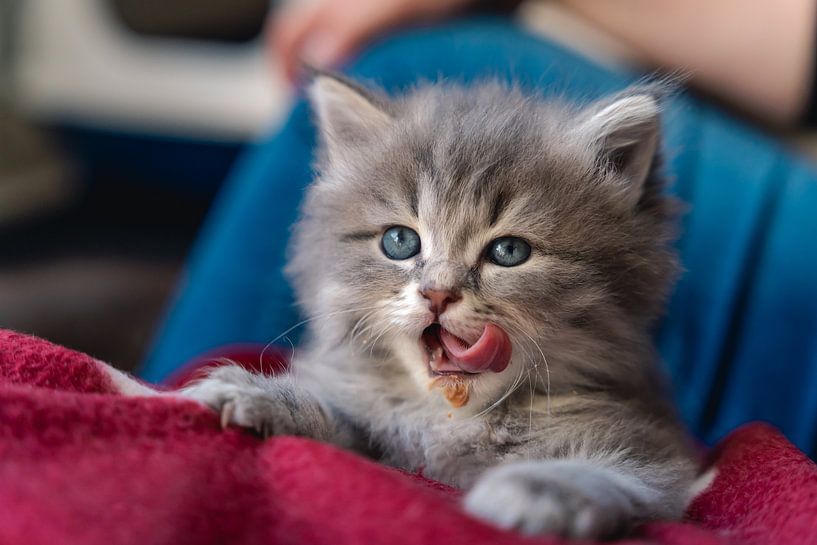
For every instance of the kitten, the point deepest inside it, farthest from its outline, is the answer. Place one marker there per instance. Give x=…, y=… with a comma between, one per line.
x=481, y=269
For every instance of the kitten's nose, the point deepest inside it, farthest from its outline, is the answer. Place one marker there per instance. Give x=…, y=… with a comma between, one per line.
x=439, y=299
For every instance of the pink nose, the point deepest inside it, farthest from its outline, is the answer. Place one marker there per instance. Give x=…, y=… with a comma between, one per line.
x=439, y=299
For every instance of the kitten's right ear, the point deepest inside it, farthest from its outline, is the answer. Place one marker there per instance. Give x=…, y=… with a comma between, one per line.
x=624, y=134
x=347, y=113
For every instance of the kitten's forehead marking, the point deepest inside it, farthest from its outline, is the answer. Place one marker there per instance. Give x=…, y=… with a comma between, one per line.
x=499, y=203
x=457, y=221
x=426, y=219
x=459, y=229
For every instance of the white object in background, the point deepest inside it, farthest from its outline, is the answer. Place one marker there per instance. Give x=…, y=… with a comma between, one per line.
x=76, y=61
x=555, y=22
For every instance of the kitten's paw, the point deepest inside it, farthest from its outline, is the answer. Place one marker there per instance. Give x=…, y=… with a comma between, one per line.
x=553, y=498
x=266, y=405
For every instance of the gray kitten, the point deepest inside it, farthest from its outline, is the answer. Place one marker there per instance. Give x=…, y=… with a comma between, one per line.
x=481, y=269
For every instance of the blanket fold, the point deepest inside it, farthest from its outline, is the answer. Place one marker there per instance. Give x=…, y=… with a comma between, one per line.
x=90, y=456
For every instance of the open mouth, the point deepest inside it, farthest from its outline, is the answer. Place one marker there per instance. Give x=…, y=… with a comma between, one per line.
x=450, y=355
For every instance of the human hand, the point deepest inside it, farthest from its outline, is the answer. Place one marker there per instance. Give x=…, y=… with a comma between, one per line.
x=323, y=33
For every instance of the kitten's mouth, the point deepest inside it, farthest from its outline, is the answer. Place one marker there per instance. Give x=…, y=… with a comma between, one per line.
x=450, y=355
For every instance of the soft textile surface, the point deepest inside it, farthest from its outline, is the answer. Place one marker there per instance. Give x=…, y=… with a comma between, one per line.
x=88, y=456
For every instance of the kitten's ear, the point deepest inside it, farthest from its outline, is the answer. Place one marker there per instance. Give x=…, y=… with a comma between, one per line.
x=625, y=134
x=347, y=113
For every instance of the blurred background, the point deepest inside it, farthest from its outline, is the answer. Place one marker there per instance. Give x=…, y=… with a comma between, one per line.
x=119, y=120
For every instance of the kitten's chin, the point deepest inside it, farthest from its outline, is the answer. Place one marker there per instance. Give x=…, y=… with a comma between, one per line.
x=454, y=365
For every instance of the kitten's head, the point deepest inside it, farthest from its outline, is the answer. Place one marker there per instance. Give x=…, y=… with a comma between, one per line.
x=480, y=237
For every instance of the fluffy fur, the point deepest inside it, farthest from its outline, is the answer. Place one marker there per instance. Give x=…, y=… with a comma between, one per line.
x=576, y=436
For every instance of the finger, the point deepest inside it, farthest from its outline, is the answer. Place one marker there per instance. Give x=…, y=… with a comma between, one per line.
x=290, y=27
x=330, y=45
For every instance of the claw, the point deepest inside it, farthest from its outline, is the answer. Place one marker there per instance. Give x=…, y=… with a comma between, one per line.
x=227, y=411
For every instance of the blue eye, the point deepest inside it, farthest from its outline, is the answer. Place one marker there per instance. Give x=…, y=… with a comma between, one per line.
x=508, y=251
x=400, y=242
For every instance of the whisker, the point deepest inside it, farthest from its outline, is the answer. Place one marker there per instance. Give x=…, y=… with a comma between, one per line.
x=547, y=368
x=388, y=328
x=292, y=346
x=515, y=385
x=353, y=334
x=530, y=413
x=511, y=389
x=302, y=322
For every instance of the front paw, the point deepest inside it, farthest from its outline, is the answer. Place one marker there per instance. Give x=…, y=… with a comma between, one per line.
x=560, y=498
x=268, y=405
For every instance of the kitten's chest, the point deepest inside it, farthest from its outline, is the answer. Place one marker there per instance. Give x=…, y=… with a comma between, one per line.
x=416, y=434
x=450, y=451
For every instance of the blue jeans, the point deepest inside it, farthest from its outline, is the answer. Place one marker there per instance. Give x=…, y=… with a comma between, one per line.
x=740, y=336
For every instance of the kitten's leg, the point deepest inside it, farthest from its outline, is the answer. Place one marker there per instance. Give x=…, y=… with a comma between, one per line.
x=269, y=405
x=572, y=497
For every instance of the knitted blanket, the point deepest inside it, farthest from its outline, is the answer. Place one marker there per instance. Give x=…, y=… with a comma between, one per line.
x=89, y=456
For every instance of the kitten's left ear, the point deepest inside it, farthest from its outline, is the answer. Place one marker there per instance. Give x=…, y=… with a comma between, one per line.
x=347, y=113
x=625, y=133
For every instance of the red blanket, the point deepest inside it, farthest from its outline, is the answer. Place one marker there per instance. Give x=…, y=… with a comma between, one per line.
x=89, y=456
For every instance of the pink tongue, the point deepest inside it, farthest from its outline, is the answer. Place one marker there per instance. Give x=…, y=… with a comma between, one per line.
x=492, y=351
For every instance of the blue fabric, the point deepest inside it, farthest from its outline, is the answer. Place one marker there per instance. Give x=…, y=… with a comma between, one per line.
x=740, y=338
